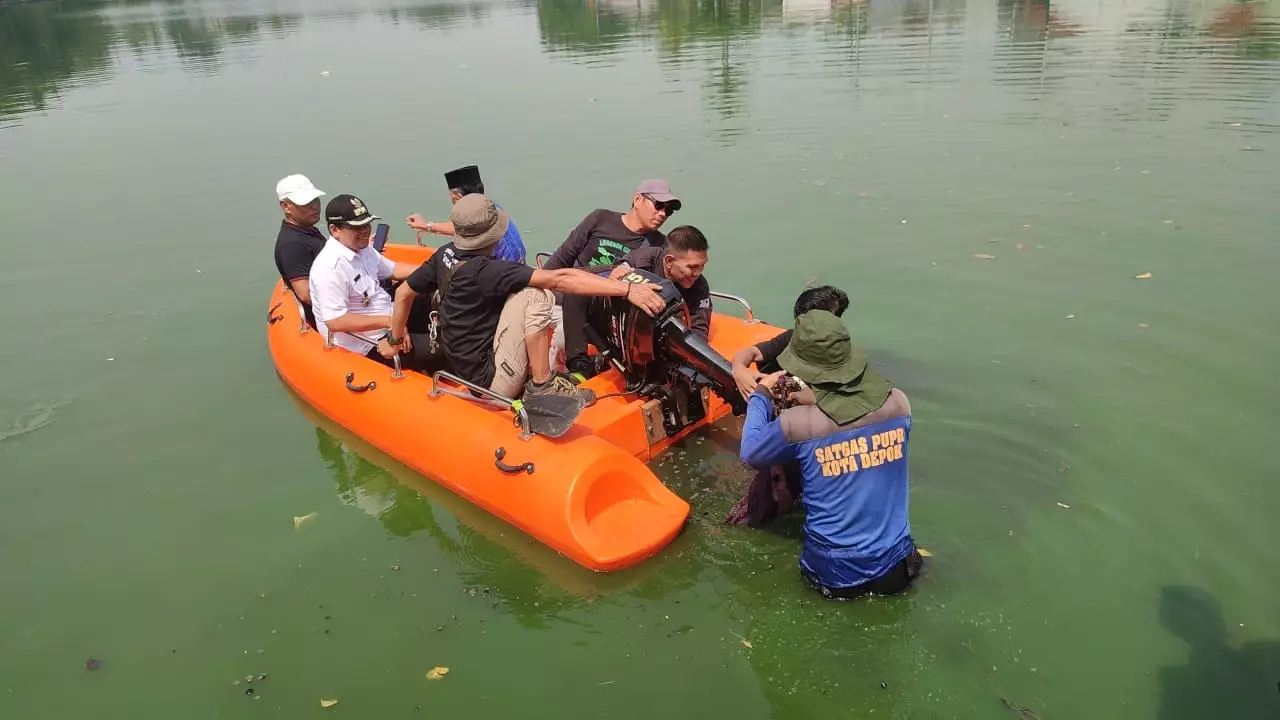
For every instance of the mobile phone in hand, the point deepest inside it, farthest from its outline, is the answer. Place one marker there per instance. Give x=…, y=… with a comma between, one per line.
x=380, y=236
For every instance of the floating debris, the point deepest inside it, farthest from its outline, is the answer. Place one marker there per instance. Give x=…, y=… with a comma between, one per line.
x=745, y=642
x=1020, y=246
x=92, y=664
x=1069, y=317
x=1064, y=506
x=1143, y=325
x=984, y=256
x=327, y=703
x=437, y=672
x=1143, y=276
x=1023, y=713
x=299, y=519
x=923, y=552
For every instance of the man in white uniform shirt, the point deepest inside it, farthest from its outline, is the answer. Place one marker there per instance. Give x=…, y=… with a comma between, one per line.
x=346, y=291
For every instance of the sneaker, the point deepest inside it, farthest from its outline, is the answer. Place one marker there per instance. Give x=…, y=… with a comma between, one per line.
x=560, y=384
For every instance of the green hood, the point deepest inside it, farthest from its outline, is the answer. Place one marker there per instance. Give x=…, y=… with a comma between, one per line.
x=822, y=354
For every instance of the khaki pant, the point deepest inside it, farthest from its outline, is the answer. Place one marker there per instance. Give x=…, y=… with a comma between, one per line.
x=557, y=358
x=524, y=313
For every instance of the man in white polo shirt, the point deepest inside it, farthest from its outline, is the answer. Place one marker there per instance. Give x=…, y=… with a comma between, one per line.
x=346, y=291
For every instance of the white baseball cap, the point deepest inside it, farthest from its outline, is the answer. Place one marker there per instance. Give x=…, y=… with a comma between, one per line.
x=298, y=190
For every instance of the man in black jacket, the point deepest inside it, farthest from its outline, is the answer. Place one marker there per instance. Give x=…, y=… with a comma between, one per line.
x=682, y=260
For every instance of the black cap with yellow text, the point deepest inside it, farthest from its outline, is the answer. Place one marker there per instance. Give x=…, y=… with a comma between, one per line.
x=348, y=210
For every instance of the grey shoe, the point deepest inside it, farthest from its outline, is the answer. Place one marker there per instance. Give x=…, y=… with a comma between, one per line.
x=560, y=384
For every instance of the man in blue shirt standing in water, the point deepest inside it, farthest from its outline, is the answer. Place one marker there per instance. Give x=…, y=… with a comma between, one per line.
x=463, y=182
x=848, y=430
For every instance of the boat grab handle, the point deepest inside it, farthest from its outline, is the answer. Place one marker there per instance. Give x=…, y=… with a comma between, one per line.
x=497, y=462
x=272, y=318
x=359, y=388
x=751, y=316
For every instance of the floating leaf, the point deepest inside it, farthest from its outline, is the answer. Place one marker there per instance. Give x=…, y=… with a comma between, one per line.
x=984, y=256
x=299, y=519
x=437, y=672
x=1143, y=276
x=327, y=703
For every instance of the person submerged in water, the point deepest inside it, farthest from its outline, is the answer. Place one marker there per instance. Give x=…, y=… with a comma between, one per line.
x=848, y=431
x=765, y=354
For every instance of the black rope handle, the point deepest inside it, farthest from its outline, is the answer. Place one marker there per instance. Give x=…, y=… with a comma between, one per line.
x=497, y=462
x=359, y=388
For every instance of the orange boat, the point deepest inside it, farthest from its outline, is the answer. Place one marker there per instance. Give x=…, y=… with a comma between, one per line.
x=586, y=493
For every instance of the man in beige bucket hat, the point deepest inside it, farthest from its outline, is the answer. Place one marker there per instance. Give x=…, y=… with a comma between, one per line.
x=495, y=315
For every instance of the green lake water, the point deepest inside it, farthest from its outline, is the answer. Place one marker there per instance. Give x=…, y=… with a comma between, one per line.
x=1092, y=461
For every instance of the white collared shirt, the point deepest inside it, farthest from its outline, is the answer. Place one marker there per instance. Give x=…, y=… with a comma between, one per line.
x=344, y=281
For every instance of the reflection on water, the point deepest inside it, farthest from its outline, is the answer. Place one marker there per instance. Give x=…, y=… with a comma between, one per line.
x=47, y=47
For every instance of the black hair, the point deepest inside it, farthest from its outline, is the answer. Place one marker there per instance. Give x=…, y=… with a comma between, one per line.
x=826, y=297
x=465, y=189
x=685, y=238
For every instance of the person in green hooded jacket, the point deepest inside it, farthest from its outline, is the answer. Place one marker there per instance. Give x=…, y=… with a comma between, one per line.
x=848, y=431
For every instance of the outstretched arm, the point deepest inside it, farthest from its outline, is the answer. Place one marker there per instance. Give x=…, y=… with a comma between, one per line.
x=763, y=442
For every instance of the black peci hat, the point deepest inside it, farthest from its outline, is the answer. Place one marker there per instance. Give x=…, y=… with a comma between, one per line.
x=468, y=176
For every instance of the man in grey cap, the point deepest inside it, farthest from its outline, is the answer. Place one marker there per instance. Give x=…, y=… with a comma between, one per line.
x=495, y=315
x=604, y=237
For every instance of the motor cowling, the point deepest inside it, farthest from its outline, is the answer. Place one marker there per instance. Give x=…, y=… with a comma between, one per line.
x=664, y=358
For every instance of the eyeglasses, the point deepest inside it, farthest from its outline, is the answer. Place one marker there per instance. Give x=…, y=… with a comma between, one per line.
x=667, y=206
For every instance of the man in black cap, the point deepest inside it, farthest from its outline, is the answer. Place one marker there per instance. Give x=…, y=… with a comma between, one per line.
x=346, y=291
x=463, y=182
x=495, y=315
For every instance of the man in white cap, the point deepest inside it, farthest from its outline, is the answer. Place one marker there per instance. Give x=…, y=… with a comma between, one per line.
x=299, y=241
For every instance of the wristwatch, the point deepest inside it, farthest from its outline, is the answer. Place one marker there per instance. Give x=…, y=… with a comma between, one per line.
x=429, y=226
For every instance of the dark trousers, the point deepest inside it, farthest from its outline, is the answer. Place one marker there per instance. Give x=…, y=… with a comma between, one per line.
x=896, y=580
x=576, y=309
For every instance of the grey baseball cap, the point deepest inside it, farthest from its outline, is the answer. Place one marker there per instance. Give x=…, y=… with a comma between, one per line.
x=659, y=190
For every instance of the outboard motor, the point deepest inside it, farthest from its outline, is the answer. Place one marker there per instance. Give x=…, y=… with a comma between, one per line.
x=663, y=358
